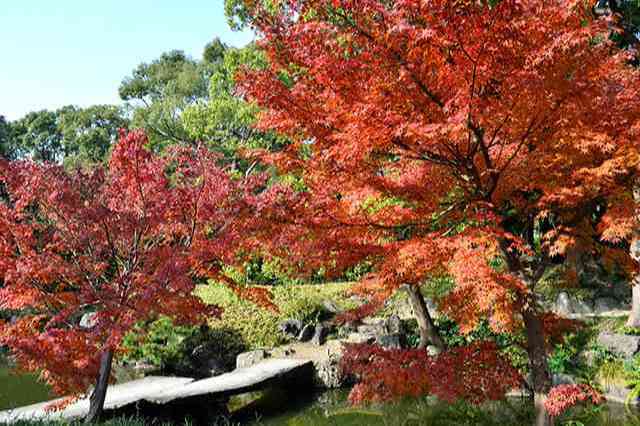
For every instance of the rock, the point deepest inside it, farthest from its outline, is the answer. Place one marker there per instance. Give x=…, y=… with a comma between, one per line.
x=619, y=394
x=390, y=341
x=432, y=350
x=320, y=335
x=563, y=304
x=563, y=379
x=330, y=306
x=347, y=328
x=432, y=308
x=375, y=327
x=214, y=367
x=394, y=324
x=590, y=357
x=335, y=348
x=328, y=373
x=622, y=344
x=361, y=338
x=88, y=320
x=581, y=306
x=567, y=305
x=143, y=367
x=605, y=304
x=306, y=333
x=291, y=328
x=205, y=362
x=403, y=308
x=247, y=359
x=634, y=249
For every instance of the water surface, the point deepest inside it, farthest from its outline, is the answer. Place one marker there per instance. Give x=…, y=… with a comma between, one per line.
x=20, y=389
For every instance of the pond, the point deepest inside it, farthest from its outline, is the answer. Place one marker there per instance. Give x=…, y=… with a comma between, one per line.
x=331, y=408
x=20, y=389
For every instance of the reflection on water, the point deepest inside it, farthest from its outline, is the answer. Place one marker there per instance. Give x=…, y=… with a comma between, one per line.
x=19, y=389
x=332, y=409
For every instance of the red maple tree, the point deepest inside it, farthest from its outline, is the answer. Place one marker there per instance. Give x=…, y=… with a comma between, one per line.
x=482, y=141
x=128, y=243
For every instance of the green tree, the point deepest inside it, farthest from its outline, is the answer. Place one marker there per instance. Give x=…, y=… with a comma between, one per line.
x=7, y=148
x=226, y=121
x=158, y=92
x=89, y=133
x=37, y=136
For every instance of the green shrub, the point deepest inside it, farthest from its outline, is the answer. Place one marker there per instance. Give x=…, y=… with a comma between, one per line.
x=171, y=348
x=270, y=271
x=157, y=342
x=258, y=326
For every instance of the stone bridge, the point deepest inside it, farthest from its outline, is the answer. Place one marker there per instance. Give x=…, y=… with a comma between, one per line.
x=173, y=393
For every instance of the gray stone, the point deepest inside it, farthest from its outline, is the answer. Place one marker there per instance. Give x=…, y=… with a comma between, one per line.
x=235, y=382
x=634, y=249
x=394, y=324
x=328, y=373
x=335, y=348
x=373, y=328
x=432, y=308
x=432, y=350
x=581, y=306
x=590, y=357
x=361, y=338
x=119, y=395
x=330, y=306
x=88, y=320
x=247, y=359
x=403, y=307
x=347, y=328
x=291, y=328
x=563, y=304
x=390, y=341
x=622, y=344
x=563, y=379
x=566, y=305
x=320, y=335
x=605, y=304
x=306, y=333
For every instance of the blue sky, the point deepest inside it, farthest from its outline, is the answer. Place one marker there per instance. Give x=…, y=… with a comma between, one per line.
x=62, y=52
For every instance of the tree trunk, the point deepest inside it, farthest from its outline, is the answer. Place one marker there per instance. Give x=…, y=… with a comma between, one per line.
x=96, y=401
x=540, y=375
x=634, y=252
x=634, y=316
x=428, y=332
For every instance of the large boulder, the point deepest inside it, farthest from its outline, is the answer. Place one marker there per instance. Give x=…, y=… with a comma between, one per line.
x=291, y=328
x=361, y=338
x=567, y=305
x=327, y=370
x=247, y=359
x=390, y=341
x=88, y=320
x=606, y=304
x=306, y=333
x=320, y=334
x=328, y=373
x=622, y=344
x=394, y=324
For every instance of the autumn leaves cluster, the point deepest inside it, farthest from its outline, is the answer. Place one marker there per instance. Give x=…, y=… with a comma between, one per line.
x=482, y=141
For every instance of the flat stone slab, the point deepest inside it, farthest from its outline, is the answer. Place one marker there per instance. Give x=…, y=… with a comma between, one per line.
x=235, y=382
x=162, y=390
x=117, y=396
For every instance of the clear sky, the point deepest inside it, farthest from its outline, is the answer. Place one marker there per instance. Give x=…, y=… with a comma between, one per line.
x=61, y=52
